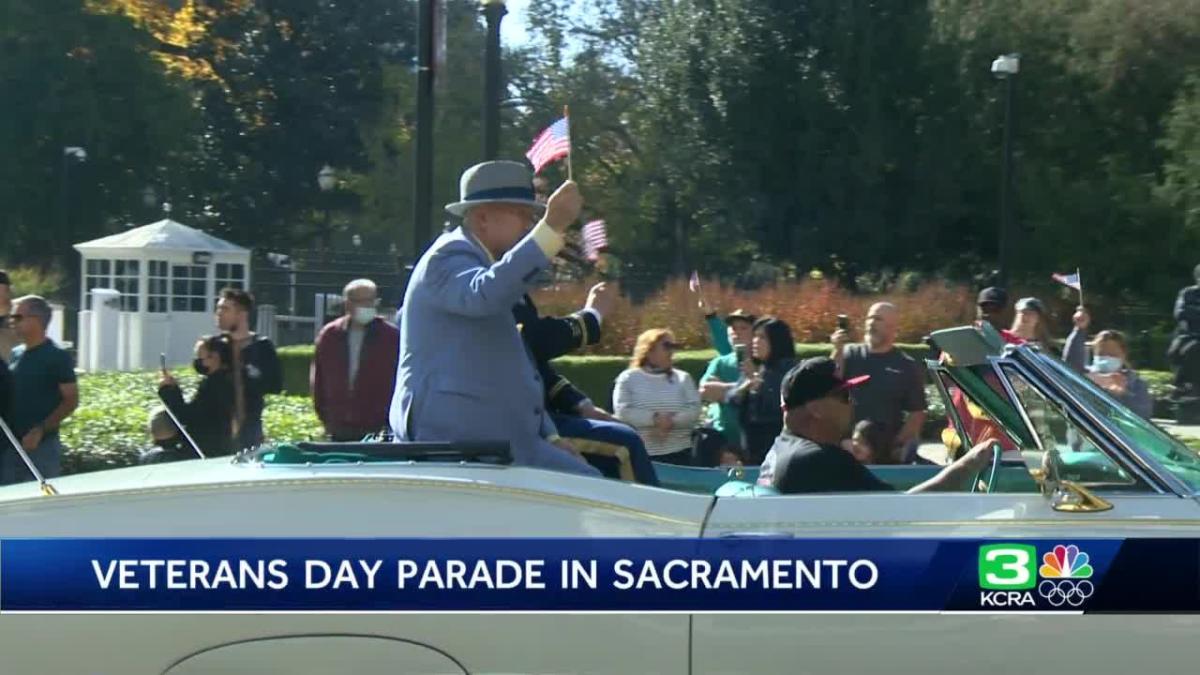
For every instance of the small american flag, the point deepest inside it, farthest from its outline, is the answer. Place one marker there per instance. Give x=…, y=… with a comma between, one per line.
x=552, y=144
x=594, y=239
x=694, y=282
x=1069, y=280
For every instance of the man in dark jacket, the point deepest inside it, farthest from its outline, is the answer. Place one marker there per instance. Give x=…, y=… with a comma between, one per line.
x=1184, y=353
x=256, y=372
x=576, y=417
x=353, y=372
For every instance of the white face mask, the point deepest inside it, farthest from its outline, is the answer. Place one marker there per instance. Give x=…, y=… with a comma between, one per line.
x=363, y=315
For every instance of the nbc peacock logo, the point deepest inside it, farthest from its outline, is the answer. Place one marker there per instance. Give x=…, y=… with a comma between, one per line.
x=1066, y=572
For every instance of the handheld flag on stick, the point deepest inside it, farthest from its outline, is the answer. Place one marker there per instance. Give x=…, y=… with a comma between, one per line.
x=567, y=117
x=552, y=144
x=594, y=238
x=694, y=282
x=1071, y=281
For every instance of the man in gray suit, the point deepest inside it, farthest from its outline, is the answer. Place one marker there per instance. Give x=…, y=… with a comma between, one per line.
x=464, y=373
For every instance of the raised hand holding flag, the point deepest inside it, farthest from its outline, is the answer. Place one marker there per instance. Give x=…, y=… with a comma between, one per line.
x=1071, y=281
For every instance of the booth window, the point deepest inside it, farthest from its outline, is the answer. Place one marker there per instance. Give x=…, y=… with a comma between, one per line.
x=188, y=284
x=97, y=275
x=159, y=280
x=230, y=275
x=126, y=280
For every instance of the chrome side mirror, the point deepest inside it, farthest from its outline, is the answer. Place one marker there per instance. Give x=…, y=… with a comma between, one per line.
x=1071, y=497
x=1065, y=495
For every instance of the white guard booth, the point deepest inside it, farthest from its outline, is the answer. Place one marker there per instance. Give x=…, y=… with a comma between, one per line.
x=166, y=277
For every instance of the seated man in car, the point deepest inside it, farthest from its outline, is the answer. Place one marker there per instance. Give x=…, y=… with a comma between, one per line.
x=817, y=414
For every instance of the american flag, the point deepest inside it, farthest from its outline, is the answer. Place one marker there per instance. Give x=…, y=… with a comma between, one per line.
x=1069, y=280
x=553, y=143
x=594, y=239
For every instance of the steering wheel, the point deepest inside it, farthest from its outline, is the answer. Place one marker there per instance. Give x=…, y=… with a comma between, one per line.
x=991, y=479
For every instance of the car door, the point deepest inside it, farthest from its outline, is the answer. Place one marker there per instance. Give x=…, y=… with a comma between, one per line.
x=930, y=642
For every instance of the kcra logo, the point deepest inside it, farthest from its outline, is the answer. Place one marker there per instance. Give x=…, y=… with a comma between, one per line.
x=1008, y=576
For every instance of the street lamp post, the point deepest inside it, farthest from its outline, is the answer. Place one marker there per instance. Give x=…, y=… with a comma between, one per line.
x=493, y=11
x=1006, y=67
x=423, y=147
x=326, y=180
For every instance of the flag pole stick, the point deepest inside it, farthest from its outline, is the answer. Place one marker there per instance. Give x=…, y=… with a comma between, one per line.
x=1080, y=278
x=567, y=115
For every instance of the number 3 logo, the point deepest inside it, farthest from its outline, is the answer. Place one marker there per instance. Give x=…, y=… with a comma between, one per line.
x=1007, y=567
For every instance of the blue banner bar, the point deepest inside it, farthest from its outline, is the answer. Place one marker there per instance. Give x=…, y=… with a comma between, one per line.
x=684, y=575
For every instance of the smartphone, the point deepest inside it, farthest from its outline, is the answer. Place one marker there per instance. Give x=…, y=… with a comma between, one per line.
x=843, y=322
x=740, y=350
x=162, y=362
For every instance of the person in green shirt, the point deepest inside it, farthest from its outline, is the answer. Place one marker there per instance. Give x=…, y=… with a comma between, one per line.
x=731, y=338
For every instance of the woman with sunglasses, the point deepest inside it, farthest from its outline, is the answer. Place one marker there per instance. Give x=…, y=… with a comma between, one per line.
x=659, y=401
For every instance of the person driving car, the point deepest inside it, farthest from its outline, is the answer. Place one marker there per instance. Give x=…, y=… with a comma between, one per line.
x=817, y=414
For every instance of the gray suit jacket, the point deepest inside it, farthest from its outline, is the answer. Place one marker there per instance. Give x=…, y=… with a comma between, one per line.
x=464, y=373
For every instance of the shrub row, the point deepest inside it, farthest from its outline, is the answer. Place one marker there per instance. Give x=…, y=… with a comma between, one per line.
x=109, y=428
x=593, y=374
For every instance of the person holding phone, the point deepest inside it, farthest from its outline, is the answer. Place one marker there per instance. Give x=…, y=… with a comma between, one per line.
x=209, y=416
x=894, y=398
x=773, y=353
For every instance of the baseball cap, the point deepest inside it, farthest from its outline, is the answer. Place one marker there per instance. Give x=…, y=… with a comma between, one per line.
x=1031, y=304
x=813, y=379
x=993, y=296
x=739, y=315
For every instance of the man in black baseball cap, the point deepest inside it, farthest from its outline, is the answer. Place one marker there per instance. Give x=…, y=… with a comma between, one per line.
x=817, y=413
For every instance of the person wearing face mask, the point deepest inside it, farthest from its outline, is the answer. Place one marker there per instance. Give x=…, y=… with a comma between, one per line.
x=353, y=372
x=1110, y=370
x=209, y=416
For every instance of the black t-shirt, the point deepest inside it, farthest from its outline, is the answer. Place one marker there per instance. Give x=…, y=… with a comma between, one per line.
x=804, y=466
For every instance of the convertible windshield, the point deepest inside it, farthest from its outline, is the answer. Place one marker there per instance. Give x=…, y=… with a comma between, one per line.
x=1178, y=458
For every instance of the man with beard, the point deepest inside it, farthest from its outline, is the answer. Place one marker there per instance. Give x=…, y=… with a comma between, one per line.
x=256, y=368
x=894, y=398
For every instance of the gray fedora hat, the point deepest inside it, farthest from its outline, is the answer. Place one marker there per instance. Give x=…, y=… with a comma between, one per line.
x=497, y=181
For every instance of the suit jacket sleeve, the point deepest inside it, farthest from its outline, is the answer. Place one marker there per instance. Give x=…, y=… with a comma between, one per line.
x=551, y=337
x=461, y=284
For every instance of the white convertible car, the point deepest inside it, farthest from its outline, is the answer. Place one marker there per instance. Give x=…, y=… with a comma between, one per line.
x=1080, y=465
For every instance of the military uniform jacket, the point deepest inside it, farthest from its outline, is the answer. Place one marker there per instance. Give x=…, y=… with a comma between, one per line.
x=548, y=338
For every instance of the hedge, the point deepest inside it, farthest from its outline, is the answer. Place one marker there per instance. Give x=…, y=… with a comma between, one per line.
x=594, y=375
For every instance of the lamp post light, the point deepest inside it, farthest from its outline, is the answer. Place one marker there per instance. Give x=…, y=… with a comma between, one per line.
x=493, y=79
x=1006, y=67
x=326, y=180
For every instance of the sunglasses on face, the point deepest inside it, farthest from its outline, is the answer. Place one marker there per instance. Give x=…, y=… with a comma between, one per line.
x=15, y=317
x=670, y=346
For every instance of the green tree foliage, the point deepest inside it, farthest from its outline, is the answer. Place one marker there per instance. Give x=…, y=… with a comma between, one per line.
x=70, y=77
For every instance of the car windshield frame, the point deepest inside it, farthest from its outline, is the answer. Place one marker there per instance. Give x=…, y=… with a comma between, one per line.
x=1120, y=424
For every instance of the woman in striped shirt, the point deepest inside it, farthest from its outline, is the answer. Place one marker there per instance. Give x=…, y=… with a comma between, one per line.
x=659, y=401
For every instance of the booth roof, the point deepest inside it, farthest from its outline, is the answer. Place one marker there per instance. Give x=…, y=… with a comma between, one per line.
x=163, y=235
